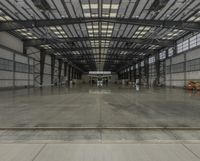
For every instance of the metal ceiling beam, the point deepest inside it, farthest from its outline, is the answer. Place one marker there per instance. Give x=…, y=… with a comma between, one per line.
x=38, y=42
x=110, y=56
x=112, y=59
x=114, y=55
x=19, y=24
x=109, y=48
x=107, y=61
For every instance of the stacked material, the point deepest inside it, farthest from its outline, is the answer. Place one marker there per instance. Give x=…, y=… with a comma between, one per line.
x=193, y=85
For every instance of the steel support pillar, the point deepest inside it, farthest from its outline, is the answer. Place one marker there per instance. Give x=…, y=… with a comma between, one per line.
x=75, y=74
x=24, y=50
x=53, y=58
x=65, y=69
x=69, y=74
x=118, y=74
x=130, y=74
x=146, y=70
x=185, y=70
x=42, y=62
x=157, y=64
x=60, y=62
x=140, y=73
x=72, y=72
x=134, y=73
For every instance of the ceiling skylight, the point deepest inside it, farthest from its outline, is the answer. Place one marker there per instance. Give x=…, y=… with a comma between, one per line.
x=4, y=17
x=87, y=14
x=141, y=31
x=58, y=31
x=113, y=14
x=92, y=6
x=25, y=32
x=91, y=10
x=172, y=34
x=195, y=18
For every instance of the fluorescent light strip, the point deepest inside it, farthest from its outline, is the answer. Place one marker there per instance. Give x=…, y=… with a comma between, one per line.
x=113, y=14
x=87, y=14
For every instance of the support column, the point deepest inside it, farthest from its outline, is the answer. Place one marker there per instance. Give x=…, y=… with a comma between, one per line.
x=118, y=75
x=14, y=70
x=80, y=75
x=185, y=70
x=170, y=72
x=69, y=74
x=24, y=50
x=72, y=72
x=52, y=68
x=65, y=69
x=60, y=62
x=130, y=74
x=134, y=73
x=29, y=72
x=157, y=63
x=124, y=75
x=140, y=73
x=42, y=61
x=146, y=70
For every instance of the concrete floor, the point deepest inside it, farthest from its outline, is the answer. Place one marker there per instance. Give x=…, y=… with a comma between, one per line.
x=100, y=152
x=113, y=106
x=86, y=123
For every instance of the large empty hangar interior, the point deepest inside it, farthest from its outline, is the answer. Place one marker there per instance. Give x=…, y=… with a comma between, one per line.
x=115, y=80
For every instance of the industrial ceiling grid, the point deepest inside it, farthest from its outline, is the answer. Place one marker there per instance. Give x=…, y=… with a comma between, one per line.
x=98, y=45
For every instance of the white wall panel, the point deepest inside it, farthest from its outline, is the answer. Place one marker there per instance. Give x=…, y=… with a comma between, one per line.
x=167, y=83
x=31, y=82
x=178, y=83
x=21, y=59
x=14, y=46
x=178, y=59
x=21, y=76
x=193, y=75
x=177, y=76
x=193, y=54
x=31, y=76
x=20, y=83
x=6, y=83
x=6, y=74
x=11, y=42
x=6, y=54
